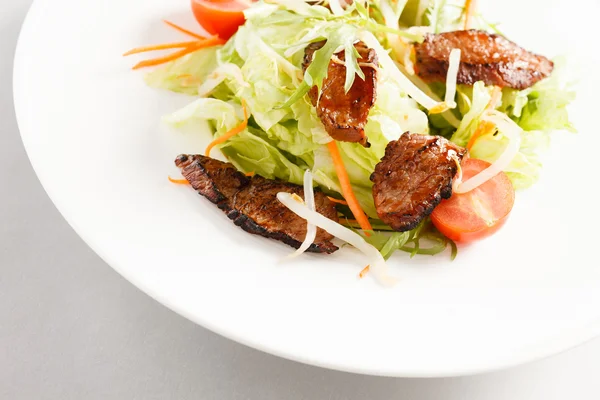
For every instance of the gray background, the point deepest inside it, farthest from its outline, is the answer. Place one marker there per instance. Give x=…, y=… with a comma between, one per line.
x=71, y=328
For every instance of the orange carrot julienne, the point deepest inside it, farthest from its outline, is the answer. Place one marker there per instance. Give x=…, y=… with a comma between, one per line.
x=469, y=11
x=346, y=187
x=165, y=59
x=338, y=201
x=179, y=181
x=231, y=133
x=160, y=47
x=364, y=272
x=483, y=129
x=183, y=30
x=212, y=41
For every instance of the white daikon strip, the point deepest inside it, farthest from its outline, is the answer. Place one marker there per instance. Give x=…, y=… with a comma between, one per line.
x=227, y=70
x=311, y=229
x=336, y=7
x=392, y=70
x=376, y=261
x=452, y=77
x=512, y=131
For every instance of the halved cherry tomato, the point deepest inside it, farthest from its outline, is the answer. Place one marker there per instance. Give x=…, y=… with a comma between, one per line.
x=220, y=17
x=479, y=213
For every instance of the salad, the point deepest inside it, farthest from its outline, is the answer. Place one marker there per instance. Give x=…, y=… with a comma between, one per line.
x=393, y=125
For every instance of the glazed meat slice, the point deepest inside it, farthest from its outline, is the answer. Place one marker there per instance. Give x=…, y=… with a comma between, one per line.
x=344, y=115
x=412, y=178
x=484, y=57
x=252, y=204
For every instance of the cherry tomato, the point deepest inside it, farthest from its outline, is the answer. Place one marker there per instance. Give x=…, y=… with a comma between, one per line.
x=479, y=213
x=220, y=17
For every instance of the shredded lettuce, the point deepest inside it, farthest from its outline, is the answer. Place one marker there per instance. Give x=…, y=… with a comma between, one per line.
x=248, y=151
x=441, y=16
x=543, y=107
x=525, y=168
x=184, y=75
x=472, y=108
x=424, y=240
x=539, y=111
x=262, y=64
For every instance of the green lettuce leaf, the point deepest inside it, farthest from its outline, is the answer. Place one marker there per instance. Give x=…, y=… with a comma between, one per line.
x=472, y=108
x=185, y=74
x=543, y=107
x=425, y=239
x=261, y=66
x=525, y=168
x=538, y=110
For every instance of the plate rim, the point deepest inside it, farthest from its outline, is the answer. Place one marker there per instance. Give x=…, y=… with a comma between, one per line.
x=559, y=344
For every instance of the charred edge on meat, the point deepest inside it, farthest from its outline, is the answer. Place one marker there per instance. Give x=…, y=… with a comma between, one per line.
x=233, y=192
x=412, y=178
x=344, y=115
x=485, y=57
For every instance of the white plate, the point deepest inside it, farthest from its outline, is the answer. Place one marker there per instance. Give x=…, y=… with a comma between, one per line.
x=92, y=130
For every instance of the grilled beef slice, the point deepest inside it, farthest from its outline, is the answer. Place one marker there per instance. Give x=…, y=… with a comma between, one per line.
x=344, y=115
x=485, y=57
x=252, y=203
x=412, y=178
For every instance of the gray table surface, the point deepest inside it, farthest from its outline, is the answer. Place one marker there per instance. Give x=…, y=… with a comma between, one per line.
x=71, y=328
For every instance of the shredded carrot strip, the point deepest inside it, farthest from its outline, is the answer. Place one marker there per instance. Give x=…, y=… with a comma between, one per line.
x=364, y=272
x=179, y=181
x=496, y=98
x=483, y=129
x=347, y=191
x=338, y=201
x=160, y=47
x=250, y=173
x=212, y=41
x=183, y=30
x=165, y=59
x=231, y=133
x=469, y=12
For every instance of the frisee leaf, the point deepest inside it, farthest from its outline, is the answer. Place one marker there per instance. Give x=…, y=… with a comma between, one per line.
x=338, y=36
x=437, y=15
x=352, y=68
